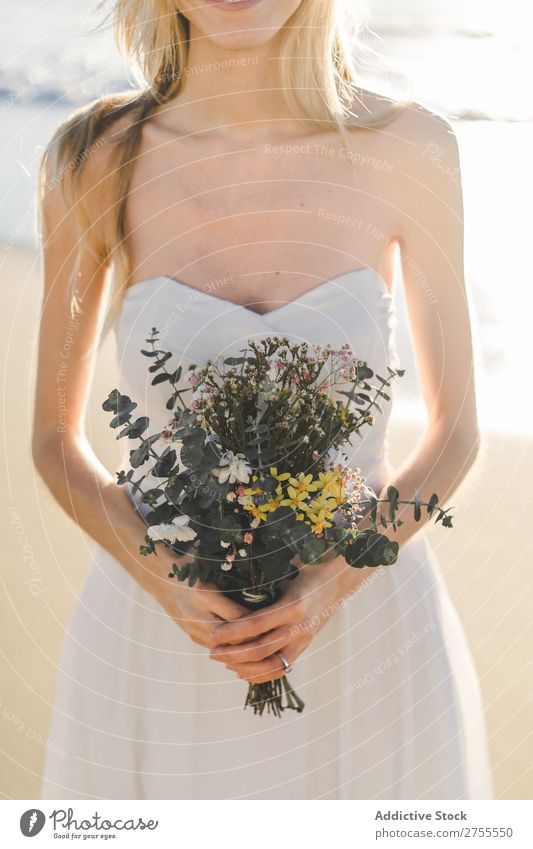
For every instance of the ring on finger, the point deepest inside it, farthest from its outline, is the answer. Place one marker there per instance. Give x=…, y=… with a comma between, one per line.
x=286, y=665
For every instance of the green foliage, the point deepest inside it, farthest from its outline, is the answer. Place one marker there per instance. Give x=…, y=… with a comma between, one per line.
x=278, y=406
x=370, y=548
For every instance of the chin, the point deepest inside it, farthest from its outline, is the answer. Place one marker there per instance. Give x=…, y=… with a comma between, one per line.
x=240, y=25
x=242, y=41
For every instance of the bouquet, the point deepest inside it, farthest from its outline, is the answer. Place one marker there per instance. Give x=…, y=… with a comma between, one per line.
x=250, y=474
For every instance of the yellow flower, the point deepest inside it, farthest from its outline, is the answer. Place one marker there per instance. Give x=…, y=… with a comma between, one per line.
x=284, y=476
x=304, y=483
x=332, y=485
x=257, y=510
x=319, y=521
x=325, y=503
x=295, y=500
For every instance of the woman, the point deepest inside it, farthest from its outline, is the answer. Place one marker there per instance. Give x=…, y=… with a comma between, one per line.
x=251, y=187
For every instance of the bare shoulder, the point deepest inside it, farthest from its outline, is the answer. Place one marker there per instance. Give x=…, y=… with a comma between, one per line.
x=81, y=163
x=87, y=140
x=420, y=143
x=425, y=144
x=408, y=121
x=423, y=130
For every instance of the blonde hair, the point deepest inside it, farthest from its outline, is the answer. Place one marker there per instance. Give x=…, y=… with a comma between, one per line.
x=317, y=76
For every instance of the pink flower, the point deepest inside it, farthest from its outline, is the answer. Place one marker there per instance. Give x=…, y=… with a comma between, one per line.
x=248, y=538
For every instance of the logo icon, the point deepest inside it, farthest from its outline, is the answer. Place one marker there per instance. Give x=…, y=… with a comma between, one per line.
x=32, y=822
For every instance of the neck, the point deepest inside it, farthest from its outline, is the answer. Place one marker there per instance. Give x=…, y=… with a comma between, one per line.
x=235, y=90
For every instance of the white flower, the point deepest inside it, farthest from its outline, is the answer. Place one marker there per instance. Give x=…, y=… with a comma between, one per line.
x=243, y=552
x=226, y=566
x=177, y=530
x=225, y=544
x=199, y=392
x=231, y=496
x=233, y=467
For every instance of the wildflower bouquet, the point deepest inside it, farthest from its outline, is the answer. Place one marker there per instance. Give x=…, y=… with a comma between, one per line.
x=251, y=474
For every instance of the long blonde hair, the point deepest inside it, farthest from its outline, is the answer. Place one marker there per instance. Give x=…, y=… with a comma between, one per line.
x=317, y=76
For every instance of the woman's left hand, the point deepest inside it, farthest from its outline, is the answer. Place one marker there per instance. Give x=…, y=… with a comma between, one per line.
x=249, y=646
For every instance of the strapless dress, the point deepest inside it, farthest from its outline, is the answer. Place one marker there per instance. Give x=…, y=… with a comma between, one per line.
x=393, y=707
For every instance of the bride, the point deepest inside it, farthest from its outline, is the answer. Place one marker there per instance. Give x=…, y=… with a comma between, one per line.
x=250, y=186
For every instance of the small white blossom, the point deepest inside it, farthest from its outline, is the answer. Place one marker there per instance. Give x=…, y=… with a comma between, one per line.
x=231, y=496
x=177, y=530
x=243, y=552
x=225, y=544
x=226, y=566
x=199, y=392
x=233, y=468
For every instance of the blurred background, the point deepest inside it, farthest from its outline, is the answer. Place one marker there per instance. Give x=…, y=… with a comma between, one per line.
x=468, y=60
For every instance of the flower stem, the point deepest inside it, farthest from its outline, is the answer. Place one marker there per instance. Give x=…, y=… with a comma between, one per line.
x=294, y=702
x=270, y=696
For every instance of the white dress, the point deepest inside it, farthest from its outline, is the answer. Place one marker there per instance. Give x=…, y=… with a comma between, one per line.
x=393, y=708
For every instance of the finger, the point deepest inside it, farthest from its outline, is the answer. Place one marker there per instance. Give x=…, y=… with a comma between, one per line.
x=269, y=669
x=256, y=624
x=222, y=606
x=227, y=609
x=199, y=635
x=253, y=650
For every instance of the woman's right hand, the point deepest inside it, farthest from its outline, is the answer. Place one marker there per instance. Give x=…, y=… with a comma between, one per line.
x=196, y=610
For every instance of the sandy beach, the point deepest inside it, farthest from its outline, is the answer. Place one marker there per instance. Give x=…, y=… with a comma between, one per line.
x=45, y=558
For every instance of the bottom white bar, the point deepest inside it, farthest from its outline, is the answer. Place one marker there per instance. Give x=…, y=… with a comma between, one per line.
x=263, y=825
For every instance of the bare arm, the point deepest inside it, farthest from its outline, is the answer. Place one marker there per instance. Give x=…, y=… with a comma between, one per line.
x=84, y=488
x=62, y=454
x=430, y=236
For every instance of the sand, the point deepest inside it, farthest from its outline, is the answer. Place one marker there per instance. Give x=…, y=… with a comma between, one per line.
x=45, y=558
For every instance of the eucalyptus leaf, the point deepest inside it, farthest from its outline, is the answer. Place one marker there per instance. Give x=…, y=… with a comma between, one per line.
x=135, y=429
x=191, y=455
x=165, y=464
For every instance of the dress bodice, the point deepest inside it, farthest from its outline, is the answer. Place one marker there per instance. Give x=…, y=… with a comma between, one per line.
x=196, y=326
